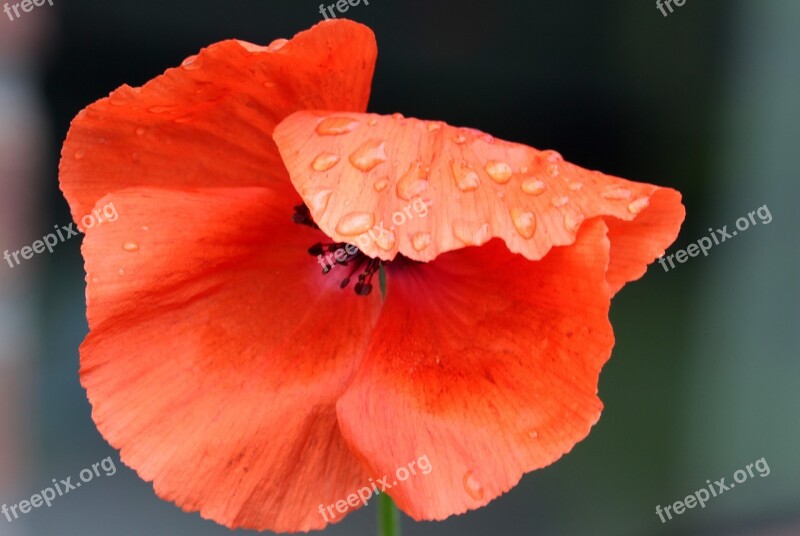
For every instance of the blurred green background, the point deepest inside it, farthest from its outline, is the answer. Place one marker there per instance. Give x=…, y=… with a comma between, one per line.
x=704, y=377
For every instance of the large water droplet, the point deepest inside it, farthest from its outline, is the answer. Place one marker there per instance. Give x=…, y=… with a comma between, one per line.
x=130, y=246
x=617, y=193
x=370, y=155
x=524, y=221
x=466, y=178
x=472, y=233
x=533, y=186
x=355, y=223
x=334, y=126
x=413, y=183
x=473, y=486
x=325, y=161
x=421, y=241
x=500, y=172
x=638, y=205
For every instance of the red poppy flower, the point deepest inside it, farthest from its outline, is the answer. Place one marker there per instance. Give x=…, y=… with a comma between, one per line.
x=249, y=386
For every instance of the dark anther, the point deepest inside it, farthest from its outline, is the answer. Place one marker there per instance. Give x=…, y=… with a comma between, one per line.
x=303, y=216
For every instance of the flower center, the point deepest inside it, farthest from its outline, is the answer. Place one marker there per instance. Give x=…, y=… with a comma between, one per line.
x=331, y=255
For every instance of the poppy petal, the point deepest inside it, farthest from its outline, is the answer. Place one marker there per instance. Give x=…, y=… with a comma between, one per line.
x=208, y=123
x=636, y=243
x=476, y=186
x=498, y=379
x=217, y=352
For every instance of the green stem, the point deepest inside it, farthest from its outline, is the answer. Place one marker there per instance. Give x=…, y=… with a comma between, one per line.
x=388, y=517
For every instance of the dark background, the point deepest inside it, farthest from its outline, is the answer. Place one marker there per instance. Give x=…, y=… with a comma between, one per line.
x=704, y=376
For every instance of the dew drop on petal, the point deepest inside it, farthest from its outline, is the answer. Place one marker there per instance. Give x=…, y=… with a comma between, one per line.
x=617, y=193
x=385, y=239
x=421, y=241
x=460, y=139
x=277, y=45
x=355, y=223
x=500, y=172
x=575, y=186
x=370, y=155
x=80, y=153
x=412, y=184
x=552, y=170
x=191, y=63
x=121, y=271
x=466, y=178
x=533, y=434
x=559, y=201
x=572, y=221
x=140, y=131
x=381, y=184
x=553, y=157
x=638, y=205
x=372, y=122
x=397, y=115
x=472, y=233
x=473, y=486
x=334, y=126
x=318, y=200
x=533, y=186
x=524, y=221
x=130, y=246
x=433, y=127
x=325, y=161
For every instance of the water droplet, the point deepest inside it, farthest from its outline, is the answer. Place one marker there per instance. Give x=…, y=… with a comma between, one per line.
x=551, y=156
x=638, y=205
x=533, y=434
x=421, y=241
x=559, y=201
x=575, y=186
x=572, y=221
x=460, y=139
x=473, y=486
x=524, y=221
x=318, y=200
x=80, y=153
x=412, y=184
x=472, y=233
x=162, y=109
x=370, y=155
x=617, y=193
x=140, y=131
x=277, y=45
x=433, y=127
x=533, y=186
x=334, y=126
x=385, y=239
x=325, y=161
x=130, y=246
x=355, y=223
x=500, y=172
x=145, y=228
x=466, y=178
x=121, y=271
x=552, y=170
x=397, y=115
x=191, y=63
x=381, y=184
x=372, y=122
x=523, y=169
